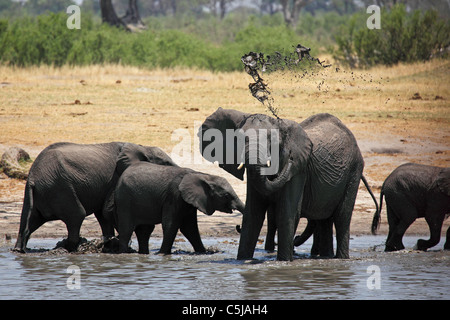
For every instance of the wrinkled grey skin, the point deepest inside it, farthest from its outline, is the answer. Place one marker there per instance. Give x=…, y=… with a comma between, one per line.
x=313, y=227
x=415, y=191
x=319, y=172
x=149, y=194
x=69, y=181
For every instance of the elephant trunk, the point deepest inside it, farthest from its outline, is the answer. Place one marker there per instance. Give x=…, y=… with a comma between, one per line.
x=257, y=157
x=280, y=180
x=239, y=205
x=267, y=186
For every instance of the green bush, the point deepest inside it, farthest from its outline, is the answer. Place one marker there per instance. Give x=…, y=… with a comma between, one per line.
x=28, y=41
x=45, y=39
x=403, y=37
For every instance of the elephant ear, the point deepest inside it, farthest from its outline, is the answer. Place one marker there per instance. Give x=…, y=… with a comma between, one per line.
x=195, y=190
x=155, y=155
x=213, y=139
x=443, y=181
x=130, y=153
x=296, y=146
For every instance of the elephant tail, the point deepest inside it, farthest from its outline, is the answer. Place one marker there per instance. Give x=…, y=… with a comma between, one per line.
x=377, y=209
x=371, y=193
x=377, y=216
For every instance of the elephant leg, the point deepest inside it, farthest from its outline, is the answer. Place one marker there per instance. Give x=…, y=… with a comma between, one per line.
x=435, y=224
x=391, y=227
x=34, y=221
x=170, y=225
x=124, y=227
x=169, y=235
x=74, y=217
x=393, y=221
x=287, y=217
x=400, y=217
x=189, y=228
x=143, y=233
x=271, y=229
x=252, y=221
x=447, y=240
x=106, y=217
x=316, y=242
x=343, y=215
x=73, y=238
x=124, y=239
x=395, y=242
x=106, y=225
x=324, y=230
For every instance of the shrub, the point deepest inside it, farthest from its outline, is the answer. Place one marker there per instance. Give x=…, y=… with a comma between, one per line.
x=402, y=37
x=45, y=39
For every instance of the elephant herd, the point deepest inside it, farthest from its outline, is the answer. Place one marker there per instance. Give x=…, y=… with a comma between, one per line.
x=314, y=173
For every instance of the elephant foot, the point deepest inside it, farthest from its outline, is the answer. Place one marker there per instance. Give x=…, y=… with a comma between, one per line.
x=161, y=253
x=420, y=245
x=244, y=255
x=342, y=256
x=314, y=252
x=423, y=245
x=391, y=248
x=18, y=250
x=324, y=254
x=200, y=251
x=319, y=257
x=288, y=256
x=69, y=245
x=111, y=245
x=270, y=247
x=124, y=250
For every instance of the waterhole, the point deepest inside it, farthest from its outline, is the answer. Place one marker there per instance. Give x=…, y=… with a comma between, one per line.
x=406, y=274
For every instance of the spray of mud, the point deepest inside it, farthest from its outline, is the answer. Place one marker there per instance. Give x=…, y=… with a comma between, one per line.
x=256, y=63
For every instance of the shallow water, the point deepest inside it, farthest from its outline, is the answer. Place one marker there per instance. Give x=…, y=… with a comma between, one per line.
x=406, y=274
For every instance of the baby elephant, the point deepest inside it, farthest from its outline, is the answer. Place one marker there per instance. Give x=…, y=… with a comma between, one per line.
x=415, y=191
x=149, y=194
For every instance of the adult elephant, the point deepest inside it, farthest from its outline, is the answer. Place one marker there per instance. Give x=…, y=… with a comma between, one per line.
x=69, y=181
x=318, y=168
x=415, y=191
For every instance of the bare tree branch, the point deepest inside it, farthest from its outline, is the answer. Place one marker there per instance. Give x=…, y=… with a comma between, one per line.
x=131, y=21
x=291, y=10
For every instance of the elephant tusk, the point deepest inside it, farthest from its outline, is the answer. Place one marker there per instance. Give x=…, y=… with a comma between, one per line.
x=268, y=163
x=240, y=166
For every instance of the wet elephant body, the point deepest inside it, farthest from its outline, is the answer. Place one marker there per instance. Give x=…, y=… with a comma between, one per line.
x=149, y=194
x=415, y=191
x=319, y=169
x=69, y=181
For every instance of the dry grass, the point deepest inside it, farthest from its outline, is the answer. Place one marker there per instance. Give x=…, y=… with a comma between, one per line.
x=42, y=105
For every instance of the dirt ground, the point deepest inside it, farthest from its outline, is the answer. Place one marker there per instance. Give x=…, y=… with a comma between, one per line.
x=398, y=115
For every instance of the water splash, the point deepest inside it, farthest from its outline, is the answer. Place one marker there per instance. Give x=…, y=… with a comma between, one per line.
x=256, y=63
